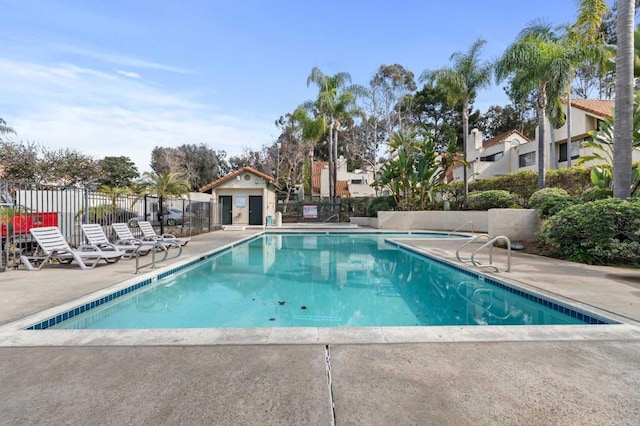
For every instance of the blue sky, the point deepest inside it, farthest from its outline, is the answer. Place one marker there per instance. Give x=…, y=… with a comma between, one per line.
x=120, y=77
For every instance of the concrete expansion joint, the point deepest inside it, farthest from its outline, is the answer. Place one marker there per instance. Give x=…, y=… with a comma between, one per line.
x=327, y=352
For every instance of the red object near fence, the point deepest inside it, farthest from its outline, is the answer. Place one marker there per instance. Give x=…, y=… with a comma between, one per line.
x=24, y=221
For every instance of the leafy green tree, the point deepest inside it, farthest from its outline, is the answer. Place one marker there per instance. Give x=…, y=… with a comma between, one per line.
x=389, y=89
x=498, y=120
x=539, y=59
x=467, y=74
x=292, y=149
x=20, y=161
x=69, y=167
x=198, y=164
x=163, y=186
x=117, y=171
x=431, y=111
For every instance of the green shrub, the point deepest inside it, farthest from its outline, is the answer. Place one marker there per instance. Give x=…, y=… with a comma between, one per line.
x=356, y=206
x=603, y=231
x=492, y=199
x=376, y=204
x=549, y=201
x=595, y=193
x=574, y=180
x=541, y=195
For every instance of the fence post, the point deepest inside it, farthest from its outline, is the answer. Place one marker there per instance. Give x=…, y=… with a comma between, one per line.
x=86, y=204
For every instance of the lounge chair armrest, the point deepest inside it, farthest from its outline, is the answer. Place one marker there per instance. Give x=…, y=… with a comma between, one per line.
x=108, y=246
x=129, y=242
x=168, y=236
x=88, y=247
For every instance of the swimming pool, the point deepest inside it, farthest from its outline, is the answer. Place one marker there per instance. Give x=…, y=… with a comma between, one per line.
x=317, y=280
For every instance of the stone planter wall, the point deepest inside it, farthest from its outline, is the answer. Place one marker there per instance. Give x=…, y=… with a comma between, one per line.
x=516, y=224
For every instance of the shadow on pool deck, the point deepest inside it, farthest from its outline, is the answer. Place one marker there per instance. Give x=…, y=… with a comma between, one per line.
x=568, y=380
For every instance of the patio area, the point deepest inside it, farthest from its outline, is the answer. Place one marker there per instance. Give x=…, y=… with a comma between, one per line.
x=444, y=375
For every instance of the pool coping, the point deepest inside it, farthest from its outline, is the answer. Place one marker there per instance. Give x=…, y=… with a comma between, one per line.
x=14, y=334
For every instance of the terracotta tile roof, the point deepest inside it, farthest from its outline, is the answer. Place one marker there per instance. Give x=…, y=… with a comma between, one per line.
x=503, y=137
x=598, y=107
x=342, y=189
x=233, y=174
x=317, y=171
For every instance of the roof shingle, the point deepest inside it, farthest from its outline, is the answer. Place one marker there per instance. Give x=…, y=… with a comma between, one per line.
x=234, y=174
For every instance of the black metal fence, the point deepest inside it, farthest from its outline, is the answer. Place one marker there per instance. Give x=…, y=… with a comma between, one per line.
x=310, y=211
x=25, y=206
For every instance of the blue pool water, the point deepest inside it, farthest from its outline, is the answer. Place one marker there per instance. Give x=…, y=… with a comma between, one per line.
x=320, y=280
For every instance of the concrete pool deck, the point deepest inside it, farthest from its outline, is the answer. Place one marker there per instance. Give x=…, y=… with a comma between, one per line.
x=454, y=375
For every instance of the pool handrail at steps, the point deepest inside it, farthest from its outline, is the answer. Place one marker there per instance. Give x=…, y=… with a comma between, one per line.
x=472, y=240
x=460, y=227
x=489, y=243
x=159, y=246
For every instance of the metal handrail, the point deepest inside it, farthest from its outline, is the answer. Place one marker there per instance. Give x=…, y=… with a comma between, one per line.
x=331, y=217
x=474, y=239
x=157, y=247
x=478, y=304
x=460, y=227
x=490, y=244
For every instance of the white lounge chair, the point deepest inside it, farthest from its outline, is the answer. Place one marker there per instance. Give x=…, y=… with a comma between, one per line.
x=53, y=246
x=126, y=237
x=150, y=234
x=95, y=235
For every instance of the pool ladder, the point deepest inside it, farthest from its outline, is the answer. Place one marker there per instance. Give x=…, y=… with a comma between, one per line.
x=476, y=300
x=489, y=243
x=460, y=227
x=157, y=248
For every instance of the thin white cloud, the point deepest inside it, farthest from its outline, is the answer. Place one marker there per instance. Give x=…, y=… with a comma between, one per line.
x=110, y=114
x=117, y=59
x=129, y=74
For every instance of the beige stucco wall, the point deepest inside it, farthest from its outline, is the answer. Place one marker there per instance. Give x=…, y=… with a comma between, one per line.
x=433, y=220
x=516, y=224
x=255, y=185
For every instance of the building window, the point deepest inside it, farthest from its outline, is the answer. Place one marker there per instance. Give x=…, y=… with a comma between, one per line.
x=575, y=151
x=493, y=157
x=528, y=159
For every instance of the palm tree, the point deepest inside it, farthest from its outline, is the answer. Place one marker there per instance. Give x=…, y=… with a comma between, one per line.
x=313, y=129
x=588, y=38
x=466, y=75
x=164, y=185
x=623, y=125
x=4, y=129
x=335, y=102
x=539, y=57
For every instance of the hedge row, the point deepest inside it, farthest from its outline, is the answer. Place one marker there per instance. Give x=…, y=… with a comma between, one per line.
x=523, y=184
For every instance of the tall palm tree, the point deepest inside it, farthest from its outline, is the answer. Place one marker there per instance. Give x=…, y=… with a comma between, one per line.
x=539, y=57
x=336, y=101
x=313, y=129
x=623, y=125
x=467, y=74
x=588, y=38
x=163, y=186
x=4, y=129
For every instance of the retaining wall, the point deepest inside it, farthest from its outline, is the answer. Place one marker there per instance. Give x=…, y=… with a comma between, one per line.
x=516, y=224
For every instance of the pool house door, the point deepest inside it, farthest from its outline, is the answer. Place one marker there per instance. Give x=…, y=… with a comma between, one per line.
x=226, y=212
x=255, y=209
